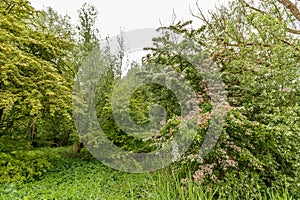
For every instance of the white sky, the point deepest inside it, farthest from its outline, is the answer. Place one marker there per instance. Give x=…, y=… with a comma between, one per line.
x=127, y=15
x=116, y=15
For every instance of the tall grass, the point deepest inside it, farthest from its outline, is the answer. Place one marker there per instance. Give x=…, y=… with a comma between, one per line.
x=167, y=185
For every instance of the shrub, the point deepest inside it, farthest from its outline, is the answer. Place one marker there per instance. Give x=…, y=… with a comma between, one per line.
x=24, y=165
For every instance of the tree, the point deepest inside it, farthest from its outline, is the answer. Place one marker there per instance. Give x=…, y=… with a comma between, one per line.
x=87, y=33
x=256, y=48
x=36, y=75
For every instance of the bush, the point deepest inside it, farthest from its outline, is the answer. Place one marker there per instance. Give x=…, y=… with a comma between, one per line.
x=24, y=165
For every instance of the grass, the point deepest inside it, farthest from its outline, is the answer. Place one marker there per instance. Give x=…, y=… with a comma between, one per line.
x=168, y=186
x=81, y=177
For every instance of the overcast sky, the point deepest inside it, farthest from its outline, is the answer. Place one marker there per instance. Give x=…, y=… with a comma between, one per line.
x=127, y=15
x=116, y=15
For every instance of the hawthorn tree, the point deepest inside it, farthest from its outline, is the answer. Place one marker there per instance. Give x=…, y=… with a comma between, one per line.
x=256, y=48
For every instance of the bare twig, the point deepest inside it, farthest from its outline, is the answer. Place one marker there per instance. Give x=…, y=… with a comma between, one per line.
x=255, y=9
x=200, y=14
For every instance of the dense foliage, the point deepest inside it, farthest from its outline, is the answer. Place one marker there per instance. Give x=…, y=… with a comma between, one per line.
x=259, y=62
x=36, y=77
x=256, y=48
x=79, y=176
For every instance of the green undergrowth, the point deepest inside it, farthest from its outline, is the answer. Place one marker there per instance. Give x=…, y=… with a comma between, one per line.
x=79, y=176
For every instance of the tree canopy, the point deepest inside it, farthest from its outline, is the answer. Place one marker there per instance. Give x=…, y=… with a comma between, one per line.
x=36, y=75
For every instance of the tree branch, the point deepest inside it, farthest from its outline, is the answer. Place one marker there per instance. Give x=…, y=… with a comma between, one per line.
x=290, y=44
x=255, y=9
x=292, y=7
x=293, y=31
x=295, y=13
x=9, y=8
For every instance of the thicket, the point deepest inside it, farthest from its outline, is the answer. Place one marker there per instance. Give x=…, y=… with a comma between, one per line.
x=257, y=53
x=255, y=48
